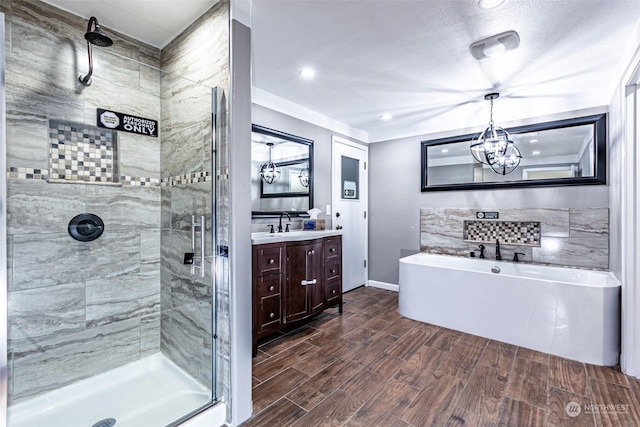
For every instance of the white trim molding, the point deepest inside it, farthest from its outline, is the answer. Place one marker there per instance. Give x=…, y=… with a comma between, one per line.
x=383, y=285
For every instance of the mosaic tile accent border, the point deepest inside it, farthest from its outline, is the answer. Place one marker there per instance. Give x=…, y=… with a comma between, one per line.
x=139, y=181
x=526, y=233
x=27, y=173
x=189, y=178
x=82, y=153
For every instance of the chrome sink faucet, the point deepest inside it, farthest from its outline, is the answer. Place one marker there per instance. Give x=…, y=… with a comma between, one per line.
x=498, y=256
x=280, y=222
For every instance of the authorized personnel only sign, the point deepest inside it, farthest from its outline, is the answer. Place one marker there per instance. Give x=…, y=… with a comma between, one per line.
x=126, y=122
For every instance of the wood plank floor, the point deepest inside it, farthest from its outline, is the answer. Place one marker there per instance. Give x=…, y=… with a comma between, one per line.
x=372, y=367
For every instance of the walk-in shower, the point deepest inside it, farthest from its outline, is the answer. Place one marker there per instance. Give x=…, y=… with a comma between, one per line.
x=96, y=37
x=107, y=325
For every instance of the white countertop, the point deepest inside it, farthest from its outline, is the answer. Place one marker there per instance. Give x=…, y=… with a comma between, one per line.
x=291, y=236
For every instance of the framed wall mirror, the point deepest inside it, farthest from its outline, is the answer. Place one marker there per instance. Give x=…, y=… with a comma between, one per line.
x=281, y=173
x=564, y=152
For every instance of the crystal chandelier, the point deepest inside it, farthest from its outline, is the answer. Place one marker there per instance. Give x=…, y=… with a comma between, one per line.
x=494, y=146
x=269, y=171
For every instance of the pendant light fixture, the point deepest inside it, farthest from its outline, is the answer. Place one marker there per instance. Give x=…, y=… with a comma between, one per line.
x=269, y=171
x=494, y=146
x=304, y=177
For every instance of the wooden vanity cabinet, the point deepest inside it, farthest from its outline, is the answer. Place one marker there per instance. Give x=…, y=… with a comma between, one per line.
x=303, y=294
x=294, y=281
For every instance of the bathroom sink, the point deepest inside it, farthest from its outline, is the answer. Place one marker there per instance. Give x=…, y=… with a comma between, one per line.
x=289, y=236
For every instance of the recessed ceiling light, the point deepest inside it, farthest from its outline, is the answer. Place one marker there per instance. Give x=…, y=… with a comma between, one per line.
x=489, y=4
x=535, y=153
x=533, y=140
x=445, y=150
x=307, y=73
x=386, y=116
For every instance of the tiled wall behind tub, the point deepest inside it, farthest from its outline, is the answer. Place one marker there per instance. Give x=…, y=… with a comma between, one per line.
x=568, y=237
x=67, y=316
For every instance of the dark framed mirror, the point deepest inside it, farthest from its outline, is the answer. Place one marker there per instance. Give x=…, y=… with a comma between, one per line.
x=558, y=153
x=281, y=173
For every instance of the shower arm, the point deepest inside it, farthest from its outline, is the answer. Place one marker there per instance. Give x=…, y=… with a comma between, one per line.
x=86, y=79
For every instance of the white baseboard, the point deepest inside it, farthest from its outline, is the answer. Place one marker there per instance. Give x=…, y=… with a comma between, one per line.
x=383, y=285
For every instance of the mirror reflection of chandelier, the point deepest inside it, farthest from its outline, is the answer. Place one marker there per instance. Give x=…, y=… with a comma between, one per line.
x=494, y=146
x=269, y=171
x=304, y=177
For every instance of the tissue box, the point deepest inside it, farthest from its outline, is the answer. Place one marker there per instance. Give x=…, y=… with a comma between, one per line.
x=313, y=224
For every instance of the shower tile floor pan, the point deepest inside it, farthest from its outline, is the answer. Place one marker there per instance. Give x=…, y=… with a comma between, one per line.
x=149, y=392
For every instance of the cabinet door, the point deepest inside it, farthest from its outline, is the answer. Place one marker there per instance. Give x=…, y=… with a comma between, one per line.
x=314, y=272
x=295, y=296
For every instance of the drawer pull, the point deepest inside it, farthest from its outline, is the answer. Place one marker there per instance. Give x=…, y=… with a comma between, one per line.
x=311, y=252
x=332, y=249
x=308, y=282
x=272, y=288
x=271, y=261
x=333, y=291
x=272, y=315
x=333, y=271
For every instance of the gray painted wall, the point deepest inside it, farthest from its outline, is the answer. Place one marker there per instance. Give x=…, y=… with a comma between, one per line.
x=395, y=199
x=240, y=301
x=321, y=153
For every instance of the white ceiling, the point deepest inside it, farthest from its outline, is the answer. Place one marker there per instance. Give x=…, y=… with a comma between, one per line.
x=411, y=58
x=155, y=22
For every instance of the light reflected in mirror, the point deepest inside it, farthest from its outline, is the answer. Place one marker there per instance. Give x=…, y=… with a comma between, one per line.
x=568, y=152
x=292, y=192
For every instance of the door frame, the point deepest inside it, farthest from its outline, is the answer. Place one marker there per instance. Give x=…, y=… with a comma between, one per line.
x=630, y=235
x=364, y=192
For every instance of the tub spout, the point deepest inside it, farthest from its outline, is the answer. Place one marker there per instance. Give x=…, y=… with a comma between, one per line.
x=498, y=256
x=481, y=249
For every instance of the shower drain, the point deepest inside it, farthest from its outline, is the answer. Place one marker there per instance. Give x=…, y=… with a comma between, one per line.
x=107, y=422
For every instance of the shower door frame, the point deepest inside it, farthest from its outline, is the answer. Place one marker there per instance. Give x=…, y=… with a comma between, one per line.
x=216, y=273
x=3, y=237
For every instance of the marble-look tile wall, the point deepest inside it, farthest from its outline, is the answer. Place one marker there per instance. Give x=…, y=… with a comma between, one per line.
x=200, y=54
x=77, y=309
x=569, y=237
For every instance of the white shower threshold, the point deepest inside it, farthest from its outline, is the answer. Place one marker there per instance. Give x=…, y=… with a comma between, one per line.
x=150, y=392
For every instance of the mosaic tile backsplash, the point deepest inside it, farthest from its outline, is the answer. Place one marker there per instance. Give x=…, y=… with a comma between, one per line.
x=508, y=232
x=569, y=237
x=82, y=153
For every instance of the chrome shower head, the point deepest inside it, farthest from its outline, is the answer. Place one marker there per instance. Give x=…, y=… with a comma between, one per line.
x=95, y=37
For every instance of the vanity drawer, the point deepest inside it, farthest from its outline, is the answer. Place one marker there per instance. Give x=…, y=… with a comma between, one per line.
x=332, y=289
x=269, y=260
x=332, y=270
x=332, y=248
x=269, y=285
x=269, y=313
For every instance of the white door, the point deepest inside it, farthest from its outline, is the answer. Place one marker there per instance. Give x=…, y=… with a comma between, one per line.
x=349, y=209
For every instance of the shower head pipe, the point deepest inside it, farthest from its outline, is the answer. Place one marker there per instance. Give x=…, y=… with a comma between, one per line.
x=98, y=38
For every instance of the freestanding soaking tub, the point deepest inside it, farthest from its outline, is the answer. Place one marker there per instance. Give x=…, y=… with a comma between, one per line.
x=567, y=312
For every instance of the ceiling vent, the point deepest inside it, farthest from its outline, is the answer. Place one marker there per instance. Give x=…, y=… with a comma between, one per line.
x=495, y=45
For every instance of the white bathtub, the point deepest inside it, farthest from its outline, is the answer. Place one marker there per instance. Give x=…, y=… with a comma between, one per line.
x=567, y=312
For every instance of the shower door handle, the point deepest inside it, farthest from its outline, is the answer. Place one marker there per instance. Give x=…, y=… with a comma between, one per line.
x=202, y=244
x=202, y=227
